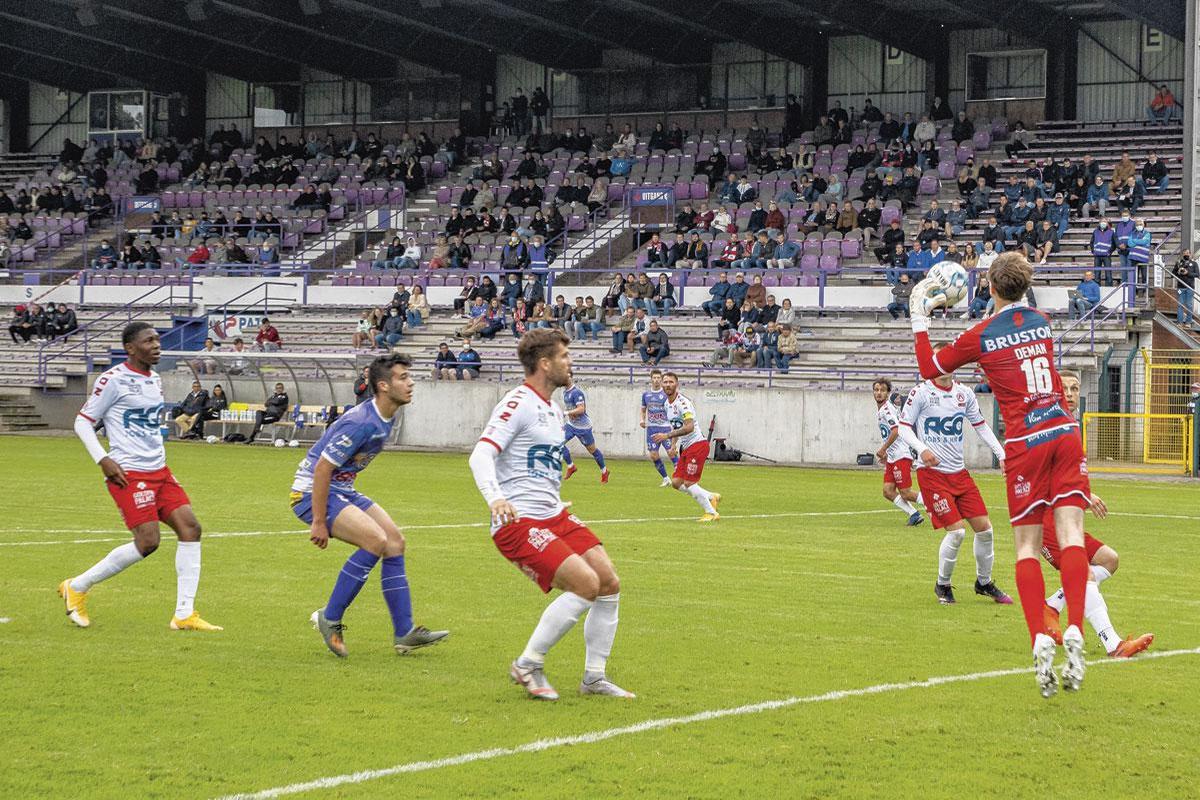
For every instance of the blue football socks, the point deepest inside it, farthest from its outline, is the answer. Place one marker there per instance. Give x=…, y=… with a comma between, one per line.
x=349, y=582
x=396, y=594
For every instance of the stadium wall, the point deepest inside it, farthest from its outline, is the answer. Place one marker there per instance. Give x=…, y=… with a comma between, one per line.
x=46, y=105
x=788, y=425
x=1116, y=59
x=228, y=101
x=861, y=67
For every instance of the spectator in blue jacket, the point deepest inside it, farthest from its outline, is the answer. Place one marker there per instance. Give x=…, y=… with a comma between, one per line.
x=1018, y=216
x=738, y=289
x=1101, y=246
x=916, y=265
x=444, y=363
x=511, y=292
x=1097, y=198
x=469, y=363
x=787, y=253
x=1087, y=297
x=1123, y=229
x=1059, y=214
x=1139, y=249
x=621, y=165
x=718, y=292
x=1032, y=190
x=1012, y=190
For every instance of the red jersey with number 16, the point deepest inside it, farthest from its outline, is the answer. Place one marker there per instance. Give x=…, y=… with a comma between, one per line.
x=1015, y=348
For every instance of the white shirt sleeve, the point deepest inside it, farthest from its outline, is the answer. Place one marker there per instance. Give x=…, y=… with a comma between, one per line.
x=505, y=423
x=907, y=424
x=87, y=434
x=483, y=469
x=104, y=394
x=975, y=417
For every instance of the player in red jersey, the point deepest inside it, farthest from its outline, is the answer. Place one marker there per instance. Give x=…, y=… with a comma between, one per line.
x=1103, y=562
x=1044, y=462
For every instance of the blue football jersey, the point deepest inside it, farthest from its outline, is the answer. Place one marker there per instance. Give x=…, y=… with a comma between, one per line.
x=349, y=444
x=655, y=404
x=573, y=396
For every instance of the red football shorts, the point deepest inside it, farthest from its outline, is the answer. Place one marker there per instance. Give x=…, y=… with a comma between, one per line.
x=148, y=496
x=1046, y=472
x=538, y=547
x=1050, y=550
x=950, y=497
x=690, y=465
x=899, y=473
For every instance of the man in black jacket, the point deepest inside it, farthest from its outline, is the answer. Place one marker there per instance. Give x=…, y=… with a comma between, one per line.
x=187, y=412
x=1186, y=272
x=276, y=407
x=63, y=321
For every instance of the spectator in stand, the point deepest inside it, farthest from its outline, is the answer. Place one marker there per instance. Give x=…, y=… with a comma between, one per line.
x=622, y=164
x=868, y=221
x=1185, y=272
x=1162, y=108
x=1097, y=198
x=418, y=307
x=200, y=256
x=391, y=331
x=1123, y=230
x=696, y=255
x=1020, y=140
x=900, y=295
x=731, y=315
x=1059, y=214
x=585, y=319
x=774, y=221
x=105, y=258
x=897, y=263
x=979, y=303
x=363, y=331
x=267, y=338
x=1130, y=195
x=889, y=129
x=823, y=132
x=189, y=410
x=1027, y=240
x=1123, y=171
x=1154, y=175
x=744, y=192
x=745, y=351
x=622, y=330
x=469, y=294
x=439, y=254
x=217, y=403
x=1102, y=244
x=444, y=363
x=894, y=235
x=129, y=257
x=677, y=252
x=718, y=292
x=785, y=254
x=1140, y=253
x=362, y=385
x=656, y=345
x=21, y=325
x=532, y=293
x=1047, y=241
x=268, y=256
x=561, y=315
x=469, y=363
x=768, y=351
x=664, y=296
x=62, y=322
x=1085, y=297
x=276, y=408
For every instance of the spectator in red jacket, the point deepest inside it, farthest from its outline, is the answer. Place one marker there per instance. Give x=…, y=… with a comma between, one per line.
x=268, y=337
x=199, y=256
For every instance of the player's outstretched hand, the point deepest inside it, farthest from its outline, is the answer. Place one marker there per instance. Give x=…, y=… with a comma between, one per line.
x=503, y=512
x=113, y=472
x=1098, y=507
x=926, y=296
x=1002, y=467
x=319, y=534
x=929, y=459
x=660, y=437
x=881, y=455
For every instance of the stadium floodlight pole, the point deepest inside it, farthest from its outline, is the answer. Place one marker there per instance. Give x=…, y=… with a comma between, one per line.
x=1191, y=114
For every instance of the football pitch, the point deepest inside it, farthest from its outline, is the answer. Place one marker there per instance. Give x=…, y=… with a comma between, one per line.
x=792, y=650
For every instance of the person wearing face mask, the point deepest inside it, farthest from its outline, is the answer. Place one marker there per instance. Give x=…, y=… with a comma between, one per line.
x=393, y=326
x=1102, y=245
x=1123, y=229
x=1139, y=249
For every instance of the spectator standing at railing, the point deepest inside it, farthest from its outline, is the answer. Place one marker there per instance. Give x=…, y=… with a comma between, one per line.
x=1086, y=296
x=1140, y=249
x=1124, y=229
x=1185, y=272
x=1101, y=245
x=1162, y=108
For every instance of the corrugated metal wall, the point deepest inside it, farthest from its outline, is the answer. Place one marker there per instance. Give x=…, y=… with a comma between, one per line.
x=329, y=98
x=858, y=70
x=746, y=77
x=513, y=72
x=564, y=93
x=46, y=105
x=227, y=100
x=1110, y=89
x=977, y=40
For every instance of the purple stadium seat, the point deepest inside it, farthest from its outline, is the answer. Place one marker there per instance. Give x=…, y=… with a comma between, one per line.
x=699, y=190
x=770, y=280
x=788, y=280
x=737, y=161
x=946, y=168
x=683, y=190
x=851, y=248
x=929, y=184
x=812, y=247
x=830, y=264
x=982, y=140
x=810, y=262
x=964, y=152
x=831, y=247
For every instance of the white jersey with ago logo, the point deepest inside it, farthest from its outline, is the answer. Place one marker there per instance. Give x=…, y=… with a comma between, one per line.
x=527, y=430
x=937, y=417
x=129, y=403
x=889, y=421
x=679, y=411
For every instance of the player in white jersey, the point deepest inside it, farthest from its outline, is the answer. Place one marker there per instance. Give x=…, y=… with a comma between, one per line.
x=895, y=455
x=517, y=465
x=128, y=399
x=693, y=448
x=931, y=423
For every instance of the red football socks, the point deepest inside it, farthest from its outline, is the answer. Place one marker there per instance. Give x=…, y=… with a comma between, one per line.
x=1031, y=587
x=1073, y=566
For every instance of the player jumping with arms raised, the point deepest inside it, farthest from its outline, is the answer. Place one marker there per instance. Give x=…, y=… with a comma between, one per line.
x=323, y=495
x=579, y=426
x=693, y=448
x=895, y=455
x=931, y=423
x=129, y=399
x=1044, y=462
x=517, y=465
x=1102, y=561
x=653, y=417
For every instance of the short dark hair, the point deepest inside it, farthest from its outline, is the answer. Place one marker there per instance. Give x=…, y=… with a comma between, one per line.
x=381, y=368
x=131, y=331
x=884, y=381
x=537, y=344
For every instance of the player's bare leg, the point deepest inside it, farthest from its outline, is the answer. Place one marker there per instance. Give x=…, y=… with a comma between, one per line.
x=985, y=556
x=709, y=501
x=1103, y=565
x=600, y=627
x=580, y=586
x=74, y=591
x=1031, y=588
x=903, y=499
x=1073, y=568
x=187, y=571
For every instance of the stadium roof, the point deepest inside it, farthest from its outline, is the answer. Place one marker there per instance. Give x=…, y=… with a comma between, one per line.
x=87, y=44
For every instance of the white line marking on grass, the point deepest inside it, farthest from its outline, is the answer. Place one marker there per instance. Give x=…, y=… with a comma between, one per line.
x=659, y=724
x=5, y=620
x=445, y=526
x=1150, y=516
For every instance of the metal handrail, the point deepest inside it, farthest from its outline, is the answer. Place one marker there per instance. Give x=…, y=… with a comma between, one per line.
x=1091, y=318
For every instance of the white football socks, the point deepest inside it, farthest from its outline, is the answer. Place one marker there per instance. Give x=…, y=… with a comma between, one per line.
x=117, y=560
x=948, y=556
x=1096, y=611
x=599, y=630
x=985, y=556
x=701, y=496
x=558, y=618
x=1058, y=600
x=899, y=502
x=187, y=574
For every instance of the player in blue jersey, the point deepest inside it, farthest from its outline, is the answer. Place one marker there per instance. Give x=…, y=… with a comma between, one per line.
x=323, y=495
x=653, y=417
x=579, y=426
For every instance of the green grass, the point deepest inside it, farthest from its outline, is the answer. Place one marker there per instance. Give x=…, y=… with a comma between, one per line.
x=712, y=617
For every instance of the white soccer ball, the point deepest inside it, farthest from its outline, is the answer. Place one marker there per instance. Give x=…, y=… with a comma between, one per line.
x=280, y=442
x=952, y=278
x=210, y=439
x=294, y=443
